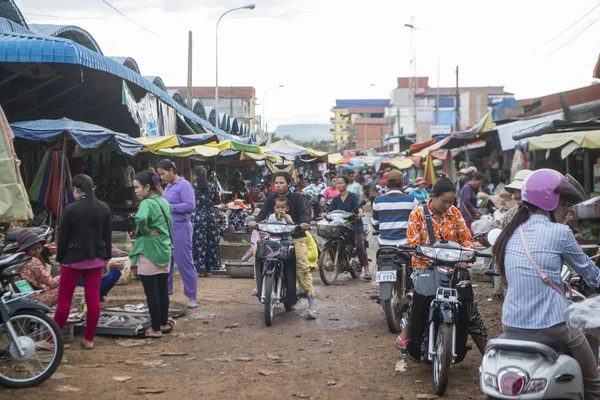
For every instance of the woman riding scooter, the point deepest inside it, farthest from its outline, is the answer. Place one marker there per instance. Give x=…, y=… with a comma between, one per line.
x=533, y=248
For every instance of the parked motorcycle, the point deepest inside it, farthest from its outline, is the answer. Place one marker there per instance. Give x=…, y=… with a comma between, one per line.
x=339, y=252
x=11, y=244
x=441, y=308
x=393, y=275
x=276, y=268
x=31, y=344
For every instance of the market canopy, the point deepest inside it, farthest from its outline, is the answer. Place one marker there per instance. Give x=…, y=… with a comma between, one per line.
x=236, y=146
x=156, y=143
x=285, y=148
x=570, y=141
x=200, y=138
x=202, y=151
x=425, y=152
x=87, y=136
x=335, y=158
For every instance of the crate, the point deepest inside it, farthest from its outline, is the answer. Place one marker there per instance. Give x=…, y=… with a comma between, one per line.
x=237, y=237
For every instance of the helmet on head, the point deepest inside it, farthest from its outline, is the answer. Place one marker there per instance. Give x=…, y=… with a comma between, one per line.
x=544, y=189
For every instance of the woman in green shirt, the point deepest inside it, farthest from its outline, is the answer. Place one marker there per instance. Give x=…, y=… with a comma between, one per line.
x=151, y=253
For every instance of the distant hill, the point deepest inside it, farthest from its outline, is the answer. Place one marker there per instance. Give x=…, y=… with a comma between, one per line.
x=305, y=132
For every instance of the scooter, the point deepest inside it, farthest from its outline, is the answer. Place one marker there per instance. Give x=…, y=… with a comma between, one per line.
x=393, y=275
x=441, y=309
x=31, y=344
x=339, y=251
x=276, y=268
x=532, y=366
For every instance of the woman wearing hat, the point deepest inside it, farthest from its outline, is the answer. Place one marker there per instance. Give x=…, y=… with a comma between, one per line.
x=237, y=214
x=514, y=188
x=419, y=192
x=35, y=271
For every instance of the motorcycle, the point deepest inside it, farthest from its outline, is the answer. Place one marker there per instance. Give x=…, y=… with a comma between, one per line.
x=441, y=308
x=11, y=244
x=31, y=344
x=276, y=268
x=339, y=252
x=393, y=275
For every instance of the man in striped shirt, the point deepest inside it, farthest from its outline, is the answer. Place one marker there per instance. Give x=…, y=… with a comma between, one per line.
x=391, y=211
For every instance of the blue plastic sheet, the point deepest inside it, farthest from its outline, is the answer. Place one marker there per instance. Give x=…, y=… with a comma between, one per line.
x=87, y=136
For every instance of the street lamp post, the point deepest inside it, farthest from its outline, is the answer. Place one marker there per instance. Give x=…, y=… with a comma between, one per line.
x=249, y=7
x=264, y=119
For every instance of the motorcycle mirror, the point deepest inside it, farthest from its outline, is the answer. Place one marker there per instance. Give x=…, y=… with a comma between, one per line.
x=492, y=236
x=362, y=203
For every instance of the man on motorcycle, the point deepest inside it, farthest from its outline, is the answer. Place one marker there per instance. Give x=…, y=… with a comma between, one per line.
x=297, y=211
x=533, y=248
x=448, y=224
x=391, y=211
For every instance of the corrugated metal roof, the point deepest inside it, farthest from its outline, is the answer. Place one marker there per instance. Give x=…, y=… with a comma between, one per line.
x=157, y=80
x=75, y=33
x=224, y=91
x=17, y=48
x=10, y=11
x=6, y=25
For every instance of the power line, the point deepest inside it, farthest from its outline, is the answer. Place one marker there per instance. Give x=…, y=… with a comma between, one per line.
x=39, y=9
x=570, y=26
x=131, y=20
x=575, y=37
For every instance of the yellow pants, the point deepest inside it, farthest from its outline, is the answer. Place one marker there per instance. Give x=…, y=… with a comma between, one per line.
x=303, y=273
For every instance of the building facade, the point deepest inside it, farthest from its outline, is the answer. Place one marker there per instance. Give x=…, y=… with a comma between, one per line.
x=239, y=102
x=422, y=111
x=345, y=115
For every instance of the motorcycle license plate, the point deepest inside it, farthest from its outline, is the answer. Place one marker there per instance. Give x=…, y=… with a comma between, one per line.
x=24, y=286
x=385, y=276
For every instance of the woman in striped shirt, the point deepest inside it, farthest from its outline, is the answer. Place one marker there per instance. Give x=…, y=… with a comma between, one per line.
x=536, y=242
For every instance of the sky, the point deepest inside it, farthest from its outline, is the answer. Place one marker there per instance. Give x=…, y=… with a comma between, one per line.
x=322, y=50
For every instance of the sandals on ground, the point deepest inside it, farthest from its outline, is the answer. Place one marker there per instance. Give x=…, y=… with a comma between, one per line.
x=171, y=325
x=148, y=335
x=402, y=345
x=368, y=277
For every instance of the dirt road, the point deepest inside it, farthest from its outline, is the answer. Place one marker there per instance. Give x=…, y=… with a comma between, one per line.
x=222, y=350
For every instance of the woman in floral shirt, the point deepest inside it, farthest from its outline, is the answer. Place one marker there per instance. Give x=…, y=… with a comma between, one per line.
x=448, y=225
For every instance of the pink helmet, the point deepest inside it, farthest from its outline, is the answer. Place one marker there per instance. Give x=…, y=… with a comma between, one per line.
x=545, y=187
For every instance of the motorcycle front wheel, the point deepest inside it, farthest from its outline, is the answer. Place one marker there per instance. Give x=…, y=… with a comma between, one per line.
x=356, y=271
x=327, y=268
x=443, y=358
x=270, y=299
x=42, y=344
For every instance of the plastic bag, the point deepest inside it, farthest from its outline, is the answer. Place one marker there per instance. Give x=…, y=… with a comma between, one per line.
x=584, y=315
x=484, y=224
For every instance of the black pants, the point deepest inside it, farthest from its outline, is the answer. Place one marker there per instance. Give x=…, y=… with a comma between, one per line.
x=157, y=296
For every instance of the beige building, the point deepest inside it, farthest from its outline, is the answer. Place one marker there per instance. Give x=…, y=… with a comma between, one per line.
x=345, y=113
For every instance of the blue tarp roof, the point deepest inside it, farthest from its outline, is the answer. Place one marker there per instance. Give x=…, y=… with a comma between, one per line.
x=357, y=103
x=87, y=136
x=15, y=48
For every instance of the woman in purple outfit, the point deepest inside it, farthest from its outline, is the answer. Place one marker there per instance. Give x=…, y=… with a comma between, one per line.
x=180, y=194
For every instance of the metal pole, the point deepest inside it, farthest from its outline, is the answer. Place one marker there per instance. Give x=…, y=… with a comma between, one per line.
x=250, y=7
x=189, y=81
x=437, y=100
x=457, y=105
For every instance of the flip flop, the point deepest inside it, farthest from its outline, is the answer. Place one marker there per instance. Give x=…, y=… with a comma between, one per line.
x=401, y=345
x=171, y=322
x=368, y=277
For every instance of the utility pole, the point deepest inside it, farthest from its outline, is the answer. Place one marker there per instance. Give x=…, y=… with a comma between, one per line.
x=457, y=105
x=231, y=101
x=399, y=128
x=189, y=81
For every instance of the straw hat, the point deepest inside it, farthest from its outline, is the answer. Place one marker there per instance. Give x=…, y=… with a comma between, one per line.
x=503, y=200
x=237, y=205
x=463, y=171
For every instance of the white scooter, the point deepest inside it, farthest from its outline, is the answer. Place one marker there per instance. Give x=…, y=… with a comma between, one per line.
x=528, y=366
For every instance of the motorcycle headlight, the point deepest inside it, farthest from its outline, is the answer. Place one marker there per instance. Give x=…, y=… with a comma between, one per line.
x=276, y=228
x=449, y=255
x=428, y=251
